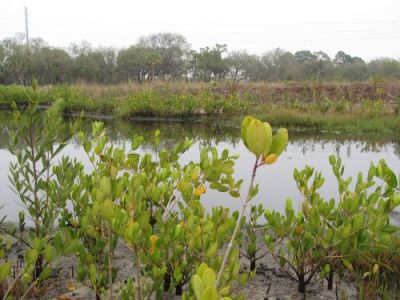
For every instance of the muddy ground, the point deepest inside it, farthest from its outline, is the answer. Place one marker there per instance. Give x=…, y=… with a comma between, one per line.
x=270, y=281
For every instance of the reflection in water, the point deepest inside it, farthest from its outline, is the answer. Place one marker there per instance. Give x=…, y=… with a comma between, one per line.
x=276, y=181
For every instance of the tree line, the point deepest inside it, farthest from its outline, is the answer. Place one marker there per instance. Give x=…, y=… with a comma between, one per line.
x=169, y=56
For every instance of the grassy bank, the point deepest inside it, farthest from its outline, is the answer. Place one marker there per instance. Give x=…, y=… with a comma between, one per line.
x=352, y=121
x=370, y=107
x=125, y=101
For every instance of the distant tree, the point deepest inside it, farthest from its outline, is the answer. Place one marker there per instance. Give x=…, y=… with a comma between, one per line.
x=348, y=67
x=131, y=63
x=254, y=70
x=236, y=62
x=342, y=58
x=243, y=66
x=280, y=65
x=290, y=69
x=52, y=65
x=108, y=64
x=93, y=64
x=153, y=59
x=323, y=65
x=208, y=64
x=385, y=67
x=271, y=61
x=168, y=56
x=173, y=50
x=3, y=59
x=314, y=65
x=16, y=60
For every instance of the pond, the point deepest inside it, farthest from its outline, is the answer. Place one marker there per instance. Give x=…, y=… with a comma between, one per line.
x=276, y=181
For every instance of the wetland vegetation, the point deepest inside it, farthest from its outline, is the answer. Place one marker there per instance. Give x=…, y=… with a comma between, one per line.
x=151, y=203
x=171, y=212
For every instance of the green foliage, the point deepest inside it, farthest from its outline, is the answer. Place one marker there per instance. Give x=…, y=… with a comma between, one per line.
x=203, y=286
x=41, y=185
x=130, y=198
x=328, y=236
x=151, y=204
x=250, y=240
x=257, y=137
x=151, y=103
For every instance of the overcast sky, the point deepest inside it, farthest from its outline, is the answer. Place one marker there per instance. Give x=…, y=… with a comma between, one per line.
x=365, y=28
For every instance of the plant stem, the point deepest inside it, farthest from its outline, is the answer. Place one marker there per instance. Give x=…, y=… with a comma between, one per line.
x=238, y=223
x=110, y=273
x=138, y=275
x=13, y=284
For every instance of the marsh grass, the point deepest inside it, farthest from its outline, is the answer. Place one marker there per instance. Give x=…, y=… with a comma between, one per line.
x=358, y=107
x=351, y=120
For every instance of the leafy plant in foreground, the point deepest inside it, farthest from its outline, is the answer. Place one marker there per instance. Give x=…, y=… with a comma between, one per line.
x=296, y=240
x=368, y=207
x=250, y=236
x=328, y=237
x=257, y=137
x=42, y=187
x=151, y=205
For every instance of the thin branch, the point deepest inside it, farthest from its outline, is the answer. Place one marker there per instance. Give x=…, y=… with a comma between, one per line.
x=238, y=224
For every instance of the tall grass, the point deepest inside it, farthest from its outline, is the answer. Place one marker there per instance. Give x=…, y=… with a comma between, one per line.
x=359, y=107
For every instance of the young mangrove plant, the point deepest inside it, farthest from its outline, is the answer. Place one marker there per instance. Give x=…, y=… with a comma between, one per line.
x=257, y=137
x=42, y=187
x=295, y=240
x=328, y=237
x=250, y=236
x=149, y=203
x=363, y=219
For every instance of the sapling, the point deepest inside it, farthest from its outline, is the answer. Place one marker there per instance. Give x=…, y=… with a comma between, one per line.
x=151, y=205
x=257, y=137
x=250, y=236
x=328, y=236
x=41, y=185
x=96, y=217
x=363, y=219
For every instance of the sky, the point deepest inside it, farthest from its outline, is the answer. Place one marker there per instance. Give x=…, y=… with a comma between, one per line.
x=365, y=28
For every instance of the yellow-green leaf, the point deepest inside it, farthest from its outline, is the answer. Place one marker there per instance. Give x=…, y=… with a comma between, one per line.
x=209, y=278
x=210, y=294
x=279, y=142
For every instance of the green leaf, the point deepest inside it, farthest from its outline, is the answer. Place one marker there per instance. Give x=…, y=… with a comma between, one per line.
x=201, y=269
x=5, y=271
x=87, y=146
x=390, y=229
x=31, y=256
x=358, y=221
x=197, y=286
x=38, y=244
x=390, y=177
x=258, y=137
x=327, y=269
x=210, y=294
x=212, y=250
x=46, y=273
x=105, y=185
x=347, y=264
x=243, y=278
x=234, y=194
x=245, y=123
x=50, y=253
x=209, y=278
x=279, y=142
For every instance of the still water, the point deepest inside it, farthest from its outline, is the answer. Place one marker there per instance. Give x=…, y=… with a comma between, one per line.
x=276, y=181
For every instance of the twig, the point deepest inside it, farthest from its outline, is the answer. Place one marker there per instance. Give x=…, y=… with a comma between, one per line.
x=238, y=224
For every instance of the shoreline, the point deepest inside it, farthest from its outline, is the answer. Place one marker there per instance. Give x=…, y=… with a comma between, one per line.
x=362, y=108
